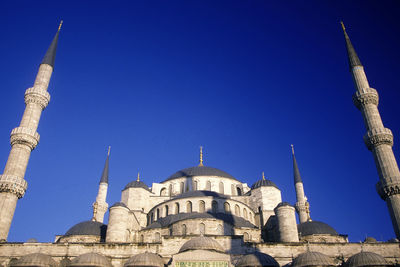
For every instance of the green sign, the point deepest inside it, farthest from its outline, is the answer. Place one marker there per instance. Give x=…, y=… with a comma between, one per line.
x=201, y=264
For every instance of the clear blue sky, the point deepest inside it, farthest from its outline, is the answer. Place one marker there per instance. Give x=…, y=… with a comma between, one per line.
x=157, y=79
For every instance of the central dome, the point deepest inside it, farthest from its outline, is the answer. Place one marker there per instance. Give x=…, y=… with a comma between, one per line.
x=200, y=171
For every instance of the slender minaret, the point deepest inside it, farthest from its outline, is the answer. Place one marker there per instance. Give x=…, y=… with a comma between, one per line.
x=378, y=139
x=100, y=206
x=23, y=140
x=302, y=205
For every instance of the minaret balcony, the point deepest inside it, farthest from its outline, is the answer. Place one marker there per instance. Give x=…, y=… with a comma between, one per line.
x=13, y=184
x=365, y=97
x=24, y=136
x=376, y=137
x=386, y=189
x=37, y=95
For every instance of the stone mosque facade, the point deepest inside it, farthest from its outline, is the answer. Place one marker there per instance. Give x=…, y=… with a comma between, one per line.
x=199, y=216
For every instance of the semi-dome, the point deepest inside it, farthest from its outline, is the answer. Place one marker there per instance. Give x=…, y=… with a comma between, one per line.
x=201, y=242
x=263, y=182
x=137, y=184
x=91, y=259
x=200, y=171
x=366, y=259
x=315, y=228
x=312, y=259
x=35, y=259
x=145, y=259
x=257, y=259
x=88, y=228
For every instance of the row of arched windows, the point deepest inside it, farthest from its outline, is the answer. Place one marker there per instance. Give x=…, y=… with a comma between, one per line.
x=185, y=187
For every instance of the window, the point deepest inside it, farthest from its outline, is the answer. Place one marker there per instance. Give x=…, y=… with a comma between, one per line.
x=176, y=208
x=152, y=217
x=245, y=213
x=158, y=214
x=221, y=187
x=182, y=187
x=184, y=229
x=246, y=237
x=195, y=184
x=202, y=206
x=166, y=211
x=170, y=189
x=227, y=207
x=188, y=207
x=214, y=206
x=237, y=210
x=208, y=186
x=239, y=191
x=141, y=238
x=163, y=191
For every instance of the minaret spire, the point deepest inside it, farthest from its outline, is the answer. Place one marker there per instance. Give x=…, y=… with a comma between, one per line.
x=351, y=52
x=23, y=140
x=378, y=139
x=201, y=157
x=302, y=205
x=100, y=206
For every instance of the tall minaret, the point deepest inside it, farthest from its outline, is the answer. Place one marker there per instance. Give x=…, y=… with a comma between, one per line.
x=23, y=140
x=302, y=205
x=100, y=206
x=378, y=139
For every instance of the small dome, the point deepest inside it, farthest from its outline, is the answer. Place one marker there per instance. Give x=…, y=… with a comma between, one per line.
x=257, y=259
x=365, y=259
x=263, y=182
x=119, y=204
x=88, y=228
x=200, y=171
x=370, y=239
x=282, y=204
x=91, y=259
x=312, y=259
x=202, y=242
x=137, y=184
x=35, y=259
x=315, y=228
x=145, y=259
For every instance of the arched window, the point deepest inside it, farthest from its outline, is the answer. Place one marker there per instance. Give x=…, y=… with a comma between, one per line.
x=246, y=237
x=176, y=208
x=182, y=187
x=163, y=192
x=166, y=211
x=208, y=185
x=184, y=229
x=220, y=230
x=202, y=206
x=170, y=189
x=214, y=206
x=245, y=213
x=261, y=217
x=221, y=187
x=227, y=207
x=233, y=191
x=202, y=228
x=188, y=207
x=157, y=237
x=158, y=214
x=195, y=184
x=237, y=210
x=152, y=217
x=141, y=239
x=239, y=191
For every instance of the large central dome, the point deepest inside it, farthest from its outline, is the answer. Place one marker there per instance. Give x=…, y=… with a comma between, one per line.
x=200, y=171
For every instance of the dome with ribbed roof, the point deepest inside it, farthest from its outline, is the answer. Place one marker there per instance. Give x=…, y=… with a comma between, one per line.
x=145, y=259
x=88, y=228
x=315, y=228
x=202, y=242
x=312, y=259
x=366, y=259
x=257, y=259
x=200, y=171
x=91, y=259
x=263, y=182
x=35, y=259
x=137, y=184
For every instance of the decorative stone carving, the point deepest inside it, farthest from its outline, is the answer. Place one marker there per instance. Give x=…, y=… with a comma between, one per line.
x=38, y=96
x=368, y=96
x=386, y=190
x=24, y=136
x=13, y=184
x=376, y=137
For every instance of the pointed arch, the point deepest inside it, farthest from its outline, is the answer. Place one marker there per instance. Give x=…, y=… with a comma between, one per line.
x=214, y=206
x=202, y=206
x=208, y=185
x=189, y=207
x=221, y=187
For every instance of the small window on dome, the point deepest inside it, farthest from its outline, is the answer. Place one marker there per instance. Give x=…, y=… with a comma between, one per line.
x=208, y=185
x=188, y=207
x=227, y=207
x=214, y=206
x=202, y=206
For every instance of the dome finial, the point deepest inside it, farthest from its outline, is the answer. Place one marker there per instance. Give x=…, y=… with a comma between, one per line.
x=138, y=177
x=108, y=152
x=292, y=149
x=201, y=157
x=59, y=26
x=343, y=27
x=263, y=176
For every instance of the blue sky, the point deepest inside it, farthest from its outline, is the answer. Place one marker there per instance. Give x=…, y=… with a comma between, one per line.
x=157, y=79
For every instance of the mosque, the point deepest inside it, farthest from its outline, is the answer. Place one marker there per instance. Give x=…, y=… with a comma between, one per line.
x=199, y=216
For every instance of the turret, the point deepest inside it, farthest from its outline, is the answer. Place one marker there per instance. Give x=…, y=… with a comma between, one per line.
x=118, y=223
x=100, y=206
x=378, y=139
x=24, y=139
x=286, y=223
x=302, y=205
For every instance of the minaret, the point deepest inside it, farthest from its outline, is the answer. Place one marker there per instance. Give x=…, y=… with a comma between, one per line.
x=302, y=205
x=23, y=140
x=100, y=206
x=378, y=139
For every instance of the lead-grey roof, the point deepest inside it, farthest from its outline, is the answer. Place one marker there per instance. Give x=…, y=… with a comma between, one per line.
x=104, y=175
x=200, y=171
x=296, y=172
x=351, y=52
x=119, y=204
x=145, y=259
x=365, y=259
x=50, y=55
x=263, y=182
x=257, y=259
x=201, y=193
x=315, y=228
x=35, y=259
x=91, y=259
x=88, y=228
x=228, y=218
x=137, y=184
x=312, y=259
x=201, y=242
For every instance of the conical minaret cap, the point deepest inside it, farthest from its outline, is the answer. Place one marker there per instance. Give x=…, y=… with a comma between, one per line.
x=104, y=175
x=50, y=56
x=296, y=172
x=351, y=52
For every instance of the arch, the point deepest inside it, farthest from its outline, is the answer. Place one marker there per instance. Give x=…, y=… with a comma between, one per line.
x=220, y=229
x=245, y=213
x=170, y=189
x=195, y=185
x=221, y=187
x=163, y=191
x=182, y=187
x=158, y=214
x=208, y=185
x=202, y=206
x=202, y=228
x=176, y=208
x=188, y=207
x=237, y=210
x=239, y=191
x=261, y=217
x=152, y=217
x=157, y=237
x=246, y=237
x=214, y=206
x=166, y=211
x=184, y=229
x=227, y=207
